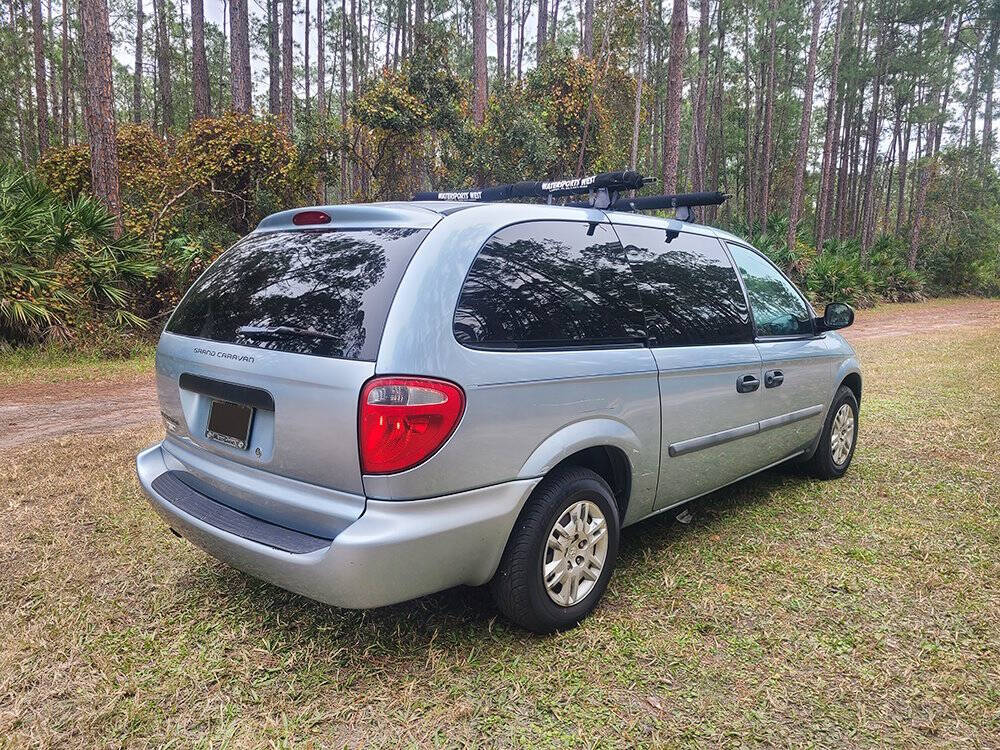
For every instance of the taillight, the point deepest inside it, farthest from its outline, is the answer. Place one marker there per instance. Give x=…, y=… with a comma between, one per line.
x=305, y=218
x=404, y=420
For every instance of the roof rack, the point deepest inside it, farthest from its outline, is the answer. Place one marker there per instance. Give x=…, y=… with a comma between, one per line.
x=603, y=191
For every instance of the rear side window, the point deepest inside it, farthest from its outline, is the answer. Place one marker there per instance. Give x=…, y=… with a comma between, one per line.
x=322, y=293
x=689, y=288
x=549, y=284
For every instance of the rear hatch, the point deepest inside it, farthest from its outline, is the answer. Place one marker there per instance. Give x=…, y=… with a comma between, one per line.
x=261, y=365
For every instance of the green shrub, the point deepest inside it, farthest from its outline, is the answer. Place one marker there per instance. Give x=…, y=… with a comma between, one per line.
x=840, y=278
x=61, y=267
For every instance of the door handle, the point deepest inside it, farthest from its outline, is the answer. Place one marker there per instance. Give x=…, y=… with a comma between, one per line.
x=747, y=384
x=773, y=378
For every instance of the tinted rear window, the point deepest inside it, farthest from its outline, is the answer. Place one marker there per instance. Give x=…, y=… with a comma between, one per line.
x=549, y=284
x=323, y=293
x=689, y=288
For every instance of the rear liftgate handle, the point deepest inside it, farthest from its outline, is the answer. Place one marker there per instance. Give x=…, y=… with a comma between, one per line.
x=747, y=384
x=773, y=378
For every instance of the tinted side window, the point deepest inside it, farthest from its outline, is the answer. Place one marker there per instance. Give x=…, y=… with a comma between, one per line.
x=689, y=288
x=778, y=309
x=549, y=283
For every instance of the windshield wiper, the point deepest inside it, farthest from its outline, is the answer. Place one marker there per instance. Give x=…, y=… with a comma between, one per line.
x=266, y=331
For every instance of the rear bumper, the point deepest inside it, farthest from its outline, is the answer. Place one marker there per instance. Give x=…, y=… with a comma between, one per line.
x=395, y=551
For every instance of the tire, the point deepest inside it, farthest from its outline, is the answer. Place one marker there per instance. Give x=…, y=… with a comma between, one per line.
x=518, y=587
x=825, y=464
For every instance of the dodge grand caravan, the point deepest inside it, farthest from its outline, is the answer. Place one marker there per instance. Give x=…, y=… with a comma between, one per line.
x=369, y=403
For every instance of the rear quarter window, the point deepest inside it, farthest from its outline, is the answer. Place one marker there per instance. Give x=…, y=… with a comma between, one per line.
x=549, y=284
x=324, y=293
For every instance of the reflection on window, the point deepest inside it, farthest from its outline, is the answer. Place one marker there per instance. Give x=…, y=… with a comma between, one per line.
x=550, y=283
x=778, y=309
x=689, y=288
x=333, y=288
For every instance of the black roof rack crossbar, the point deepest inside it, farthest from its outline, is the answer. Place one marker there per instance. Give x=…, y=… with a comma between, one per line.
x=682, y=200
x=603, y=191
x=612, y=182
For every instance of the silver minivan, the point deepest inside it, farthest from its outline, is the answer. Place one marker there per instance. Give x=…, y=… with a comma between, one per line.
x=369, y=403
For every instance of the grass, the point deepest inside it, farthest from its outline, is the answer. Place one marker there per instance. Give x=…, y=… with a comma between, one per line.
x=862, y=612
x=55, y=364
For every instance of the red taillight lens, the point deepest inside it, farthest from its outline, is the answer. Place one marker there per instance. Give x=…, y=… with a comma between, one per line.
x=404, y=420
x=305, y=218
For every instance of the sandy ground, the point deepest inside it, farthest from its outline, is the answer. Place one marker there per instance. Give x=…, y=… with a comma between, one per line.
x=35, y=412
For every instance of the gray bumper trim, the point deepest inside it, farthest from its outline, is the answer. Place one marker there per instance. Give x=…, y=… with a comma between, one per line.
x=173, y=488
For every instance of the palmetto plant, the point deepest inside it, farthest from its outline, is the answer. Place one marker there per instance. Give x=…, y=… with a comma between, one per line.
x=61, y=261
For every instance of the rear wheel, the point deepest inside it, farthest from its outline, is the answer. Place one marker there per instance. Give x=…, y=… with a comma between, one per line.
x=840, y=436
x=561, y=552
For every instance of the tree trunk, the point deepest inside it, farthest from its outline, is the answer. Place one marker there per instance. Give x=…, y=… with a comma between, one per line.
x=554, y=22
x=904, y=153
x=542, y=36
x=184, y=43
x=748, y=160
x=675, y=83
x=320, y=60
x=643, y=41
x=343, y=99
x=199, y=63
x=698, y=148
x=64, y=73
x=828, y=164
x=273, y=59
x=306, y=71
x=239, y=56
x=41, y=86
x=872, y=141
x=137, y=75
x=767, y=146
x=588, y=28
x=163, y=65
x=988, y=83
x=927, y=170
x=286, y=66
x=501, y=30
x=51, y=64
x=973, y=102
x=100, y=104
x=522, y=22
x=717, y=144
x=479, y=61
x=802, y=149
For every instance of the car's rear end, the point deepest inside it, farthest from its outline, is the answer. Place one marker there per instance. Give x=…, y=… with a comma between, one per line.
x=266, y=380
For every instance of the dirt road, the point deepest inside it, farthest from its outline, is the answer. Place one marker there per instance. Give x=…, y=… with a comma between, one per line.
x=36, y=412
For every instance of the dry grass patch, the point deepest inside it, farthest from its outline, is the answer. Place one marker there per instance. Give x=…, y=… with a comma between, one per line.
x=791, y=612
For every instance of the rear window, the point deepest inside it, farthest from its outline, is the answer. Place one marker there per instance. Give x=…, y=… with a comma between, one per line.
x=322, y=293
x=549, y=284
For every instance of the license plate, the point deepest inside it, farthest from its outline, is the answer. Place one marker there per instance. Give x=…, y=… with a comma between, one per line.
x=229, y=423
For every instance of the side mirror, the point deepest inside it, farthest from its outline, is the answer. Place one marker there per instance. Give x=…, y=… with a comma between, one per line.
x=837, y=315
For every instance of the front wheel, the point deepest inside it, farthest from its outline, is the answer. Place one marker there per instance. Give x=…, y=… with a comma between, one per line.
x=839, y=438
x=561, y=552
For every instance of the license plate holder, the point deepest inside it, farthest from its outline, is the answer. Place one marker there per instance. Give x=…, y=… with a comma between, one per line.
x=230, y=424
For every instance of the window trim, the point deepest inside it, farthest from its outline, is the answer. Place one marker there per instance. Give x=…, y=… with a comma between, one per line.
x=779, y=337
x=551, y=345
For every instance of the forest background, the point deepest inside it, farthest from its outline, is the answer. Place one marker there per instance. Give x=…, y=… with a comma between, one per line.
x=140, y=138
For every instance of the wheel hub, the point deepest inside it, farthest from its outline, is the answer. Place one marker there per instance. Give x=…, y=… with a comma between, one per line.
x=575, y=553
x=842, y=434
